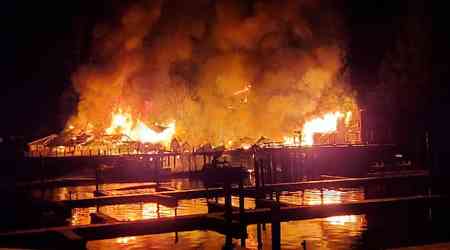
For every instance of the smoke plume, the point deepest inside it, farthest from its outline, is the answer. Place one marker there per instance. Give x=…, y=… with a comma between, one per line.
x=223, y=70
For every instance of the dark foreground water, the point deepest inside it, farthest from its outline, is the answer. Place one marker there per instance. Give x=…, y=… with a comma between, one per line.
x=383, y=230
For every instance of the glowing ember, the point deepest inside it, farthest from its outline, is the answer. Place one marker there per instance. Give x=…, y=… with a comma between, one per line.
x=244, y=90
x=122, y=123
x=324, y=124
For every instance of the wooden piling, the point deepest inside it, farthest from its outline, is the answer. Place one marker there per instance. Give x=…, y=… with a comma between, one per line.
x=274, y=168
x=258, y=236
x=262, y=173
x=276, y=226
x=96, y=179
x=228, y=205
x=242, y=213
x=44, y=237
x=256, y=171
x=228, y=214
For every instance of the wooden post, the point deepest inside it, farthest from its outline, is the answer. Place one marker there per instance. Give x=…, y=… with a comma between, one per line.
x=258, y=236
x=269, y=172
x=158, y=165
x=241, y=213
x=42, y=176
x=304, y=244
x=96, y=179
x=174, y=161
x=157, y=210
x=228, y=206
x=228, y=214
x=204, y=160
x=321, y=195
x=276, y=226
x=256, y=171
x=302, y=196
x=190, y=163
x=262, y=172
x=274, y=169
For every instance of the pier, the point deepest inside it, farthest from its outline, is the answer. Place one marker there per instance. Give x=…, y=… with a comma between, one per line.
x=213, y=221
x=226, y=219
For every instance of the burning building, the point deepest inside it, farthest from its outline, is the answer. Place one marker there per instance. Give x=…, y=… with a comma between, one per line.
x=212, y=72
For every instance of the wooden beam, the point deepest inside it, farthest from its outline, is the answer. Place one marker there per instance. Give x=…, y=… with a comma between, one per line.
x=100, y=217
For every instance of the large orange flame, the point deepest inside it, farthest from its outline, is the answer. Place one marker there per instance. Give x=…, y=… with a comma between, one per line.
x=324, y=124
x=122, y=123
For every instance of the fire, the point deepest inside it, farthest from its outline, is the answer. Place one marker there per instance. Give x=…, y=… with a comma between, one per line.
x=122, y=123
x=145, y=134
x=348, y=117
x=325, y=124
x=289, y=141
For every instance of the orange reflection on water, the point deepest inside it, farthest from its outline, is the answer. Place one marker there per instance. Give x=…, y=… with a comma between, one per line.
x=81, y=216
x=342, y=219
x=327, y=197
x=315, y=197
x=125, y=240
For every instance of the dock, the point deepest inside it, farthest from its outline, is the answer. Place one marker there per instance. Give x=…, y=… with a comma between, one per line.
x=59, y=236
x=170, y=198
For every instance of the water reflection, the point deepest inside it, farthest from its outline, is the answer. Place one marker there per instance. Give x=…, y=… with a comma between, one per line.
x=125, y=240
x=342, y=219
x=337, y=232
x=326, y=196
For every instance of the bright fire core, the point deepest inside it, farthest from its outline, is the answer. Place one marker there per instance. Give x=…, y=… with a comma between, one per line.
x=122, y=123
x=325, y=125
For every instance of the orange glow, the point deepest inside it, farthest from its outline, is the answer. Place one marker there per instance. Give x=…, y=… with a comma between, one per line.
x=324, y=124
x=329, y=197
x=122, y=123
x=145, y=134
x=244, y=90
x=289, y=141
x=342, y=219
x=348, y=117
x=125, y=240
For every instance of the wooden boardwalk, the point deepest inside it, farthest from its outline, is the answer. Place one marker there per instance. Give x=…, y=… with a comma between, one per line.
x=169, y=198
x=78, y=235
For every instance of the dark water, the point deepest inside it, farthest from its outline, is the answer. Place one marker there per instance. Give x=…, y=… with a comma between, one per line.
x=367, y=231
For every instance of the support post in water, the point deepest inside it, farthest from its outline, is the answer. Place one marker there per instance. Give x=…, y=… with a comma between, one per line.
x=258, y=236
x=41, y=160
x=228, y=206
x=276, y=227
x=228, y=213
x=96, y=179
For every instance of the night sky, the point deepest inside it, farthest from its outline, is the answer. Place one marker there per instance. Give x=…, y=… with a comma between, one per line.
x=45, y=42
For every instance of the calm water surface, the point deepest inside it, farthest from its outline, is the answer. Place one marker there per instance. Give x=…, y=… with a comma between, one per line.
x=338, y=232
